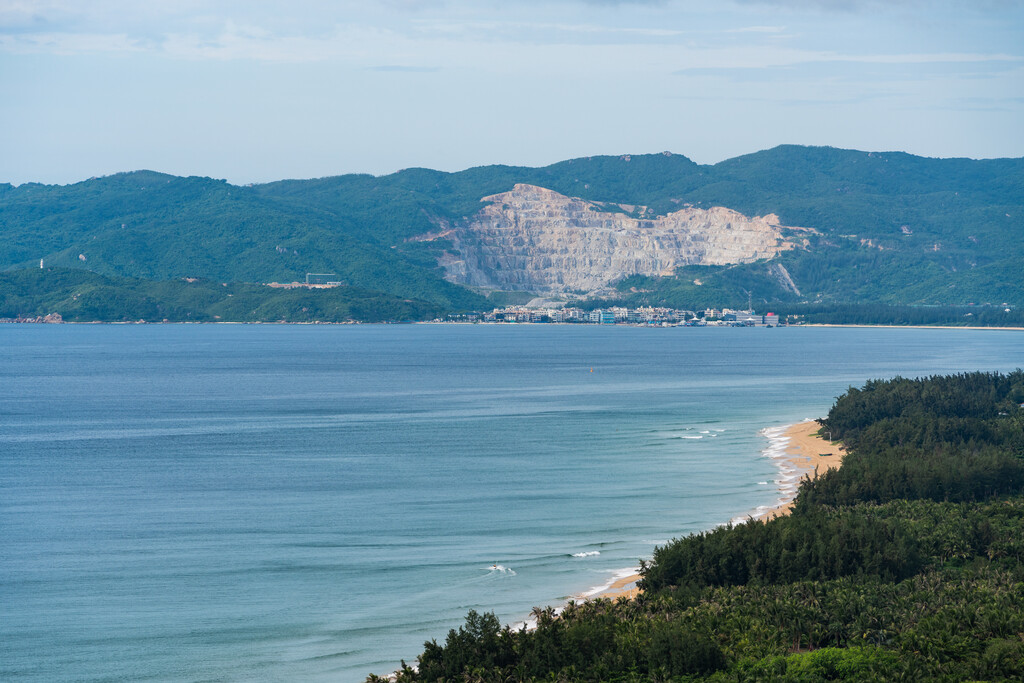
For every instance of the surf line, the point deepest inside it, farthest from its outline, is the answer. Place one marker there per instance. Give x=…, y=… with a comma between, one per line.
x=798, y=449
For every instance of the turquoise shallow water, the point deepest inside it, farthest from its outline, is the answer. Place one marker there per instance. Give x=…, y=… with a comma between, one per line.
x=312, y=503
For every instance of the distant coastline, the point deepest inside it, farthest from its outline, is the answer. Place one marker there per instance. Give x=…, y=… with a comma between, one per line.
x=920, y=327
x=55, y=319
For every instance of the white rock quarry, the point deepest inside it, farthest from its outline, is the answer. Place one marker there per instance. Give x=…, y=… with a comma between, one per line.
x=535, y=239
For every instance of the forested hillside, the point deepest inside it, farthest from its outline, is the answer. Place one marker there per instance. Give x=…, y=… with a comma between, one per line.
x=894, y=228
x=158, y=227
x=907, y=563
x=82, y=296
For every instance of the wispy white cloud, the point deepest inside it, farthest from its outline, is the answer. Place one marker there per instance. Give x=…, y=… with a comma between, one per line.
x=860, y=5
x=757, y=29
x=931, y=58
x=397, y=68
x=534, y=31
x=319, y=30
x=71, y=44
x=792, y=58
x=476, y=45
x=497, y=80
x=352, y=45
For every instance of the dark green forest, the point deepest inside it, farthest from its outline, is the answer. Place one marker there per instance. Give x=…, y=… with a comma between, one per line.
x=905, y=564
x=82, y=296
x=895, y=229
x=882, y=314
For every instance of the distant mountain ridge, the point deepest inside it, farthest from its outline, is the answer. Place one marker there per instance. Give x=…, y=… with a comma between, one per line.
x=888, y=227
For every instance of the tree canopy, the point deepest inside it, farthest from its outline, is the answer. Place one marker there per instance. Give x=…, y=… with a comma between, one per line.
x=906, y=563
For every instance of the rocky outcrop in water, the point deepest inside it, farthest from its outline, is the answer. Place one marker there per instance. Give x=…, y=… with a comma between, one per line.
x=535, y=239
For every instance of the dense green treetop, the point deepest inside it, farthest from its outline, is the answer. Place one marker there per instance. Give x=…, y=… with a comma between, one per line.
x=83, y=296
x=905, y=564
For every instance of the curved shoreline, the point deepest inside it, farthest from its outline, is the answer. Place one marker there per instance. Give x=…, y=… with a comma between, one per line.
x=800, y=452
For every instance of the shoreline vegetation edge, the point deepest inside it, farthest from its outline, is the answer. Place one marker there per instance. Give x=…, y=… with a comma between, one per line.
x=807, y=453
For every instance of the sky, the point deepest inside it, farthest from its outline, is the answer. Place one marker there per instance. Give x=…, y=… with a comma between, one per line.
x=259, y=90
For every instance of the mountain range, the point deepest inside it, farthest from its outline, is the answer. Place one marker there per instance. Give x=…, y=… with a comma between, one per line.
x=779, y=227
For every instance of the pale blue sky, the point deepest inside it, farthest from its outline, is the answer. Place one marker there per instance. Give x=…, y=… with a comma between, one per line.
x=256, y=90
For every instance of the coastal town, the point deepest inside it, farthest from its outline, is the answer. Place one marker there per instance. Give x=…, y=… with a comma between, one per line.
x=615, y=315
x=618, y=315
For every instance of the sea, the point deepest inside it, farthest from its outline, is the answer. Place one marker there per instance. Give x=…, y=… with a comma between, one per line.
x=288, y=502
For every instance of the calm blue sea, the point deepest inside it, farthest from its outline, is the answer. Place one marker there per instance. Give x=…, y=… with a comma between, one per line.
x=239, y=503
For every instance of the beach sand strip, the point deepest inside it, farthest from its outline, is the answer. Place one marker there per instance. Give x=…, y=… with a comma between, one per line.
x=806, y=453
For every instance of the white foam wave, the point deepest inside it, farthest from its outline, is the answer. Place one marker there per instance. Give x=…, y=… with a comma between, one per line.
x=617, y=575
x=589, y=553
x=788, y=482
x=692, y=437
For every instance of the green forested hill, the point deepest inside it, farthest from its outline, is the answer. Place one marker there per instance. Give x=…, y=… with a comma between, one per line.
x=82, y=296
x=895, y=228
x=904, y=564
x=158, y=227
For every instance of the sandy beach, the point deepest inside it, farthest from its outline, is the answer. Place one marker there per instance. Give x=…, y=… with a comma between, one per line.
x=805, y=453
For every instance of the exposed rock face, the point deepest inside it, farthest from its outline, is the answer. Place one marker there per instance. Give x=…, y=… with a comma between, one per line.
x=539, y=240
